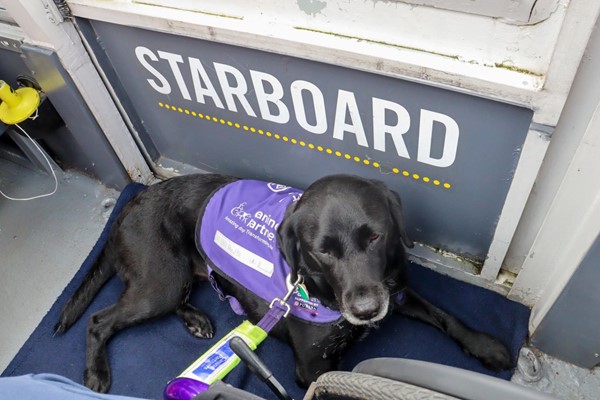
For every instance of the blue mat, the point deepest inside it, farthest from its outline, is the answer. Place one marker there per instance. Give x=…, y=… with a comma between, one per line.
x=144, y=358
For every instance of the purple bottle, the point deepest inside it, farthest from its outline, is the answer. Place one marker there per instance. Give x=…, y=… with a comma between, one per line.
x=183, y=389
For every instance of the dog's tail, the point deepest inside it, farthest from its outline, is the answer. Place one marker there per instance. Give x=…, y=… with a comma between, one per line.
x=100, y=272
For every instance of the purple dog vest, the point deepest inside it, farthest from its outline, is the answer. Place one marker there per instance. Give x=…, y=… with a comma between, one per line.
x=237, y=233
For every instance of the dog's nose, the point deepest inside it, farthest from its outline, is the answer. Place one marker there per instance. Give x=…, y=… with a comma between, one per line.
x=365, y=308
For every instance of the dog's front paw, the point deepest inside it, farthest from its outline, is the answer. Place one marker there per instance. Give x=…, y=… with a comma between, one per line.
x=202, y=329
x=198, y=324
x=97, y=380
x=490, y=351
x=196, y=321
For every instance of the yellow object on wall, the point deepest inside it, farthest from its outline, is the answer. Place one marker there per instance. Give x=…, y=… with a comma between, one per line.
x=17, y=105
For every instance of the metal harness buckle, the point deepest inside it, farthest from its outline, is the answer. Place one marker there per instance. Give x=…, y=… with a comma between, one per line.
x=283, y=302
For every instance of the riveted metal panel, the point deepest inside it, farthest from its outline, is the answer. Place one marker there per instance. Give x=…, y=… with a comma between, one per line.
x=255, y=114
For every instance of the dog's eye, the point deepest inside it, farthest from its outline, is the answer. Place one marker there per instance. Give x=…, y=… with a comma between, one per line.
x=324, y=252
x=374, y=236
x=324, y=255
x=330, y=247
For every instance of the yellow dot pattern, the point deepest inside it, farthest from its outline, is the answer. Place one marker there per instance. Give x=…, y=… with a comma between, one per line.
x=367, y=162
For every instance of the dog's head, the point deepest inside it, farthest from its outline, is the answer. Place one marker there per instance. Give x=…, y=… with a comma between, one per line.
x=345, y=235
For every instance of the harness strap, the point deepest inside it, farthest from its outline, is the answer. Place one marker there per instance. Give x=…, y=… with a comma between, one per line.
x=279, y=308
x=272, y=317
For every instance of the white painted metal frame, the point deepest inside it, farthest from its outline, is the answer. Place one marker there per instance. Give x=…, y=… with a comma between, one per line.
x=522, y=12
x=538, y=76
x=569, y=230
x=41, y=25
x=534, y=149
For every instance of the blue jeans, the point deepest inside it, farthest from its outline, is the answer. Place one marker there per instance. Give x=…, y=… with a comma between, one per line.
x=49, y=387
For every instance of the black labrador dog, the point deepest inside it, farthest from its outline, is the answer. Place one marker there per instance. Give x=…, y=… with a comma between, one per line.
x=345, y=236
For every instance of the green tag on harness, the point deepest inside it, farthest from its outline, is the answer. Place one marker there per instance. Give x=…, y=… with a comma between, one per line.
x=302, y=291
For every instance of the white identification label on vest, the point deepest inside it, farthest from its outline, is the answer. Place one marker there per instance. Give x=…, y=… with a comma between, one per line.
x=244, y=255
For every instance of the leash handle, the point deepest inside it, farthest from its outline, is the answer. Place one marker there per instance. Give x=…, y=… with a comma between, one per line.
x=219, y=360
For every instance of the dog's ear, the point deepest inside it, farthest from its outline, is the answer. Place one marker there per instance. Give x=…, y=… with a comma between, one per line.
x=396, y=209
x=287, y=237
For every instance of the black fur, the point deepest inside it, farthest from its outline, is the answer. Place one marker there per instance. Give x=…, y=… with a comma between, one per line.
x=345, y=236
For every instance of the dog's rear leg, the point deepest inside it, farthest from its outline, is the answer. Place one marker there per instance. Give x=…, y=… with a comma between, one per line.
x=136, y=305
x=489, y=350
x=100, y=272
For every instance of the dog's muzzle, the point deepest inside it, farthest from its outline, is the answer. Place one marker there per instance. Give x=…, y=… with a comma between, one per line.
x=365, y=305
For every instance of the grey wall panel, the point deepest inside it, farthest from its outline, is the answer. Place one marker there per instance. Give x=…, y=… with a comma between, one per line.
x=453, y=169
x=11, y=64
x=80, y=143
x=570, y=329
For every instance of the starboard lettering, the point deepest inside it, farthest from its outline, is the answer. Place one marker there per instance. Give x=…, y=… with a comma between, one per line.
x=229, y=89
